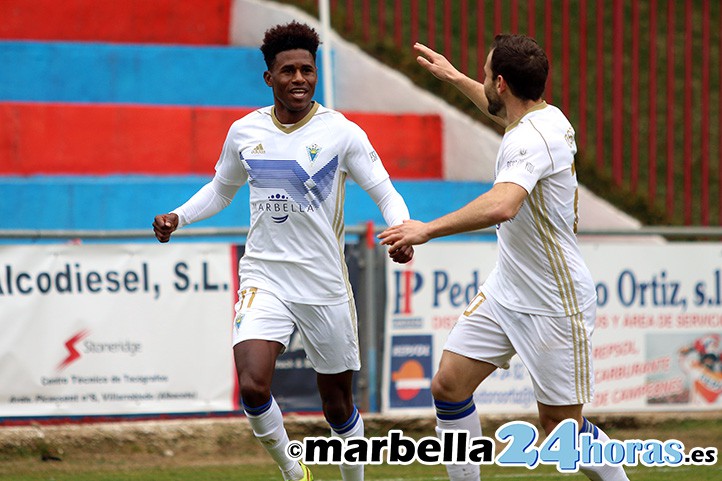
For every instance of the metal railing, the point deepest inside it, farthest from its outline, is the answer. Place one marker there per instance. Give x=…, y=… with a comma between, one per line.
x=671, y=232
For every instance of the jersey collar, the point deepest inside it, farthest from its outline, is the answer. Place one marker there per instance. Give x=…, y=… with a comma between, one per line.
x=297, y=125
x=538, y=106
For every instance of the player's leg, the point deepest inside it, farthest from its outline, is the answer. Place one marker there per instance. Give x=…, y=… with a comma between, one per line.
x=557, y=351
x=255, y=362
x=329, y=338
x=476, y=346
x=262, y=329
x=458, y=377
x=342, y=415
x=453, y=387
x=551, y=416
x=336, y=397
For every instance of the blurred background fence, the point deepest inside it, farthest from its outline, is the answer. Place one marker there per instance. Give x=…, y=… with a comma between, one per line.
x=639, y=80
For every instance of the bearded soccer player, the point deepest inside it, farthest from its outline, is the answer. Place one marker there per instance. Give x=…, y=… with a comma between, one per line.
x=539, y=302
x=293, y=274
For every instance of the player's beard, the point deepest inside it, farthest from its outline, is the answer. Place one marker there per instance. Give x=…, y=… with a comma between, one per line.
x=496, y=106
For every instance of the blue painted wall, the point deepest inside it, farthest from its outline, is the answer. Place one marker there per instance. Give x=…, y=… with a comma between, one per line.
x=130, y=202
x=139, y=74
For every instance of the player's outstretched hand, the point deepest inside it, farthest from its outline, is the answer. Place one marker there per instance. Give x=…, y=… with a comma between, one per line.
x=402, y=255
x=435, y=63
x=411, y=232
x=164, y=225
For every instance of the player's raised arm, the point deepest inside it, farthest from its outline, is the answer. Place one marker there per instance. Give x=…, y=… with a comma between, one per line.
x=442, y=69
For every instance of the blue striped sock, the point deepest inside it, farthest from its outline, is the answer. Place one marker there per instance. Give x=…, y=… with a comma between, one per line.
x=350, y=423
x=590, y=428
x=448, y=411
x=257, y=411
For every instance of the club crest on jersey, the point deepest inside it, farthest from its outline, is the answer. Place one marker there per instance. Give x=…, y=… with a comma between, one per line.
x=313, y=151
x=239, y=320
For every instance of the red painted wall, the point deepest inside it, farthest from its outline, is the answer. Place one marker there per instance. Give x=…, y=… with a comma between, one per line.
x=410, y=146
x=126, y=21
x=99, y=139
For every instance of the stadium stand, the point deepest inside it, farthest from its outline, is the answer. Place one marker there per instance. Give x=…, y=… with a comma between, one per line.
x=118, y=106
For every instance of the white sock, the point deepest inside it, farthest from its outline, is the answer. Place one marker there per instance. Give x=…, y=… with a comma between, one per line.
x=267, y=424
x=605, y=472
x=353, y=427
x=459, y=416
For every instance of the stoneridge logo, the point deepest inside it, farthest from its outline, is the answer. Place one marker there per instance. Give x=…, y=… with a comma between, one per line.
x=73, y=354
x=79, y=346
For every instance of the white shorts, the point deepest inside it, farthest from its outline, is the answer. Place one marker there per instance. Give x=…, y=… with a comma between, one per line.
x=328, y=333
x=557, y=351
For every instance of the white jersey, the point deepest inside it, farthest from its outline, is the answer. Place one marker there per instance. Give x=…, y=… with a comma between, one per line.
x=296, y=175
x=540, y=269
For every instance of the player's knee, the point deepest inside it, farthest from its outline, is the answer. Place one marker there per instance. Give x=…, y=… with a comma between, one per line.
x=549, y=421
x=254, y=392
x=337, y=410
x=551, y=416
x=548, y=424
x=444, y=388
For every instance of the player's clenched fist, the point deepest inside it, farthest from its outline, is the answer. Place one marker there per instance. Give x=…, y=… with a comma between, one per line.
x=402, y=255
x=164, y=225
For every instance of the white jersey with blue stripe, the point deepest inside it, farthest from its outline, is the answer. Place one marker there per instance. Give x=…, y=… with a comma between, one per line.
x=296, y=175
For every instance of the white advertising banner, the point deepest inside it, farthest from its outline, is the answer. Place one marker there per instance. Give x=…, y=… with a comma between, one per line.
x=656, y=344
x=115, y=329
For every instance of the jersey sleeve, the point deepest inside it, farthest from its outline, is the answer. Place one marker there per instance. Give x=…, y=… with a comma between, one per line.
x=361, y=161
x=525, y=159
x=390, y=202
x=218, y=193
x=208, y=201
x=229, y=168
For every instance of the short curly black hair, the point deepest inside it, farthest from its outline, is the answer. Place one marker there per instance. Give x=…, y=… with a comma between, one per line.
x=288, y=37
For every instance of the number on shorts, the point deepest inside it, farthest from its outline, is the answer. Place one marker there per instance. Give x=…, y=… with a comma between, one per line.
x=475, y=303
x=247, y=296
